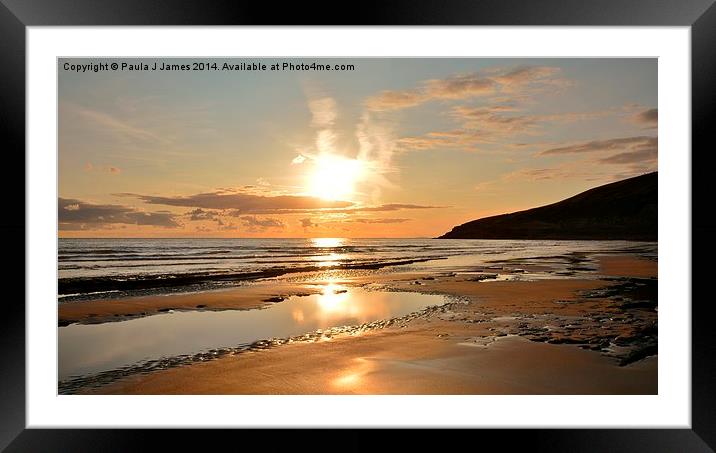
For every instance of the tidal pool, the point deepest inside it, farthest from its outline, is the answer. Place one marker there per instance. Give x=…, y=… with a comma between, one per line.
x=86, y=349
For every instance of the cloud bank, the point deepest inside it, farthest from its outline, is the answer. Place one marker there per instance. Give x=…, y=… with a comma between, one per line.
x=243, y=202
x=74, y=214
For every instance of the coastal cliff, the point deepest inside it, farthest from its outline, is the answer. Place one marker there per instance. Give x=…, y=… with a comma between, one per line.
x=622, y=210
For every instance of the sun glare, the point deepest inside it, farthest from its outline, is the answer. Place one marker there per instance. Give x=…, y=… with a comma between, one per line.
x=335, y=177
x=333, y=298
x=327, y=242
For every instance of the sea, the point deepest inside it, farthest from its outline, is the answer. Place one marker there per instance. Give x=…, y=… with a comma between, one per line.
x=107, y=268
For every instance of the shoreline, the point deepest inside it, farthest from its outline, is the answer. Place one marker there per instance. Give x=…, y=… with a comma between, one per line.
x=588, y=322
x=70, y=287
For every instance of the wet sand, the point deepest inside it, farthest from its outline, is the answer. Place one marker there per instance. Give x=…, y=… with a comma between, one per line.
x=627, y=266
x=241, y=298
x=402, y=362
x=553, y=336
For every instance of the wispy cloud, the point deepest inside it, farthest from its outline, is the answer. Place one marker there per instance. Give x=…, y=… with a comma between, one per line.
x=645, y=152
x=613, y=144
x=380, y=221
x=537, y=78
x=376, y=149
x=118, y=127
x=111, y=169
x=492, y=124
x=559, y=172
x=323, y=110
x=530, y=79
x=323, y=117
x=503, y=119
x=649, y=118
x=636, y=155
x=458, y=138
x=390, y=207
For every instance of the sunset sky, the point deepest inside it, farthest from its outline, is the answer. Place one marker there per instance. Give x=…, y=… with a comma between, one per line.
x=395, y=148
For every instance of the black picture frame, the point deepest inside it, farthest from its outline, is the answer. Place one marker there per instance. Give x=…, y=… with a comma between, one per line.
x=700, y=15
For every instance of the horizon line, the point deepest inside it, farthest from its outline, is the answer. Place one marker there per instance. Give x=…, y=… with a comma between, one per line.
x=257, y=238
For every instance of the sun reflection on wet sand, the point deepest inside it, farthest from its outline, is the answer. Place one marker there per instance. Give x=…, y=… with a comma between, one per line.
x=333, y=297
x=353, y=377
x=340, y=302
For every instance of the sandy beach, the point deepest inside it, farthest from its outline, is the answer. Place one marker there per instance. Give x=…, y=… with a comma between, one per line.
x=377, y=226
x=546, y=336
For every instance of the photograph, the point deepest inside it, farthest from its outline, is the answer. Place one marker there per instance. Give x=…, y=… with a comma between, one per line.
x=369, y=226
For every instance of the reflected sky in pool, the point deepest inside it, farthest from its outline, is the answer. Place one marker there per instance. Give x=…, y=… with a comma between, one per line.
x=89, y=349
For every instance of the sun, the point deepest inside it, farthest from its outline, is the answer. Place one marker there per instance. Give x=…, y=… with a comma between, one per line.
x=334, y=177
